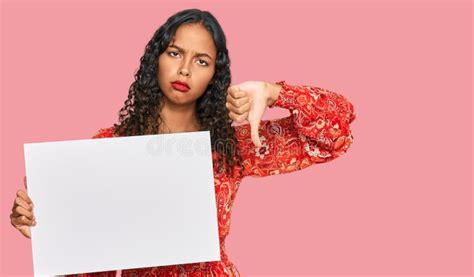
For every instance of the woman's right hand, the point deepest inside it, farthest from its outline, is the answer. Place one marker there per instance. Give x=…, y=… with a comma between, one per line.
x=22, y=216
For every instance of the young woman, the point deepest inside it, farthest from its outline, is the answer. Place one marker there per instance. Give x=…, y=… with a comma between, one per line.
x=183, y=85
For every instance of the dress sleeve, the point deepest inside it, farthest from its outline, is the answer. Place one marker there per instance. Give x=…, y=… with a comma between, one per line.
x=104, y=133
x=317, y=131
x=101, y=133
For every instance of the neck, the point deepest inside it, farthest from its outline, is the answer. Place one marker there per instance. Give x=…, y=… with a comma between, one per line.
x=177, y=119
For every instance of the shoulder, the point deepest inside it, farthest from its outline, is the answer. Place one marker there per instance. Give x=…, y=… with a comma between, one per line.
x=106, y=132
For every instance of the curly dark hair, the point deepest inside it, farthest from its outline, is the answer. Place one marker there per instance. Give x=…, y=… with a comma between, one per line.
x=140, y=114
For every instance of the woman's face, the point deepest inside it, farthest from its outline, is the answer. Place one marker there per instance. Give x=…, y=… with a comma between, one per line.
x=190, y=58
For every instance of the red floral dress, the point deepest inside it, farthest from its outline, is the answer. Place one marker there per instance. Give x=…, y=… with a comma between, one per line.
x=316, y=131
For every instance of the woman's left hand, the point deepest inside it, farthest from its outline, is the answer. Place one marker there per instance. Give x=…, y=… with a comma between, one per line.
x=249, y=101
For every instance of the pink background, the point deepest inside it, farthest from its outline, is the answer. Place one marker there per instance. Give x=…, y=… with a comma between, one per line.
x=399, y=202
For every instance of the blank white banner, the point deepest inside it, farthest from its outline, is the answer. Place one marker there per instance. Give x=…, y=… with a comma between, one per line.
x=122, y=202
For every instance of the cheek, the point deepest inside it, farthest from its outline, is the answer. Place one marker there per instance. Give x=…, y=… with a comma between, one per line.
x=161, y=67
x=204, y=81
x=164, y=69
x=164, y=65
x=206, y=76
x=203, y=78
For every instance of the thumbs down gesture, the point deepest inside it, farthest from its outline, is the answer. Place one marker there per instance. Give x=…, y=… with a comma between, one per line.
x=248, y=101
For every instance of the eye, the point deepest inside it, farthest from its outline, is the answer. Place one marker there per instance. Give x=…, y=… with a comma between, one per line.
x=205, y=63
x=171, y=53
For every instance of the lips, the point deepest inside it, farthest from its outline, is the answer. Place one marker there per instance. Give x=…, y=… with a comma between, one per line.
x=177, y=85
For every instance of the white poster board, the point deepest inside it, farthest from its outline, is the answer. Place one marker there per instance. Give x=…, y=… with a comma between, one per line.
x=122, y=202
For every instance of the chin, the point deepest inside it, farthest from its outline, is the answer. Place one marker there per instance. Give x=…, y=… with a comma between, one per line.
x=179, y=100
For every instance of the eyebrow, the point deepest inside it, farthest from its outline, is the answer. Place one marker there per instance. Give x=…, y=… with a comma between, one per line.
x=184, y=51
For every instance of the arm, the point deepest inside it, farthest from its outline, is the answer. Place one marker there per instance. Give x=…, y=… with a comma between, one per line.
x=316, y=131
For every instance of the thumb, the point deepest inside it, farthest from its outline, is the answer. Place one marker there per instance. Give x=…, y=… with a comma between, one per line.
x=254, y=125
x=25, y=230
x=257, y=109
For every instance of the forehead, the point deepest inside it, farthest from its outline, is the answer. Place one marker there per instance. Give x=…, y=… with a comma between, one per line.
x=194, y=38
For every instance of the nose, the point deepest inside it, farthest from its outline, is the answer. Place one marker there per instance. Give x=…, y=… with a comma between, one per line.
x=184, y=72
x=184, y=69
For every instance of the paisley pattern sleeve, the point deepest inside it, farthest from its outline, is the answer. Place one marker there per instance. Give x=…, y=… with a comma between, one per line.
x=104, y=133
x=317, y=131
x=101, y=133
